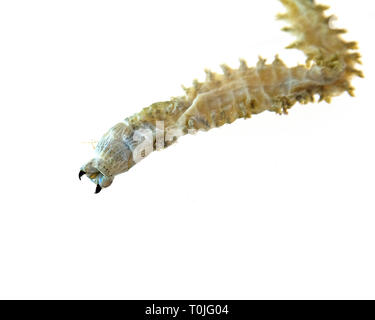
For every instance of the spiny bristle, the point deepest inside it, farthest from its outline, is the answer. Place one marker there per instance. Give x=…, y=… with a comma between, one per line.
x=354, y=57
x=210, y=76
x=243, y=65
x=351, y=91
x=321, y=7
x=328, y=99
x=351, y=45
x=288, y=29
x=339, y=31
x=282, y=16
x=261, y=62
x=196, y=84
x=277, y=62
x=227, y=71
x=358, y=73
x=295, y=45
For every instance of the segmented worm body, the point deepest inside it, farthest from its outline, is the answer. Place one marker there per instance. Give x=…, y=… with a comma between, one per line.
x=236, y=93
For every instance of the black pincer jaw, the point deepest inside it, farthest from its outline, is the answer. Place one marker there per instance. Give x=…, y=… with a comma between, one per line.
x=81, y=173
x=98, y=188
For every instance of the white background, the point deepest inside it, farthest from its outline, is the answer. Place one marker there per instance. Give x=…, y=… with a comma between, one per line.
x=271, y=207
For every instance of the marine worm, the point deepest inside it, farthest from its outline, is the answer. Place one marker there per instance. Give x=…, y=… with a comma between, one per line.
x=236, y=93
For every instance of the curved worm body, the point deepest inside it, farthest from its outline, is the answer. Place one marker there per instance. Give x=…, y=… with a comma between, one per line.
x=234, y=94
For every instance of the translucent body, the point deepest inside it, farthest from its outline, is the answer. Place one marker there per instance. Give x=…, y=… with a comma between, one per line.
x=237, y=93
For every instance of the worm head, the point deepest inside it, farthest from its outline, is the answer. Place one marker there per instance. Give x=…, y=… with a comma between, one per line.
x=95, y=171
x=113, y=156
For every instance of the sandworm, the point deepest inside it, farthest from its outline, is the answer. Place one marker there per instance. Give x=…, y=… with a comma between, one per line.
x=236, y=93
